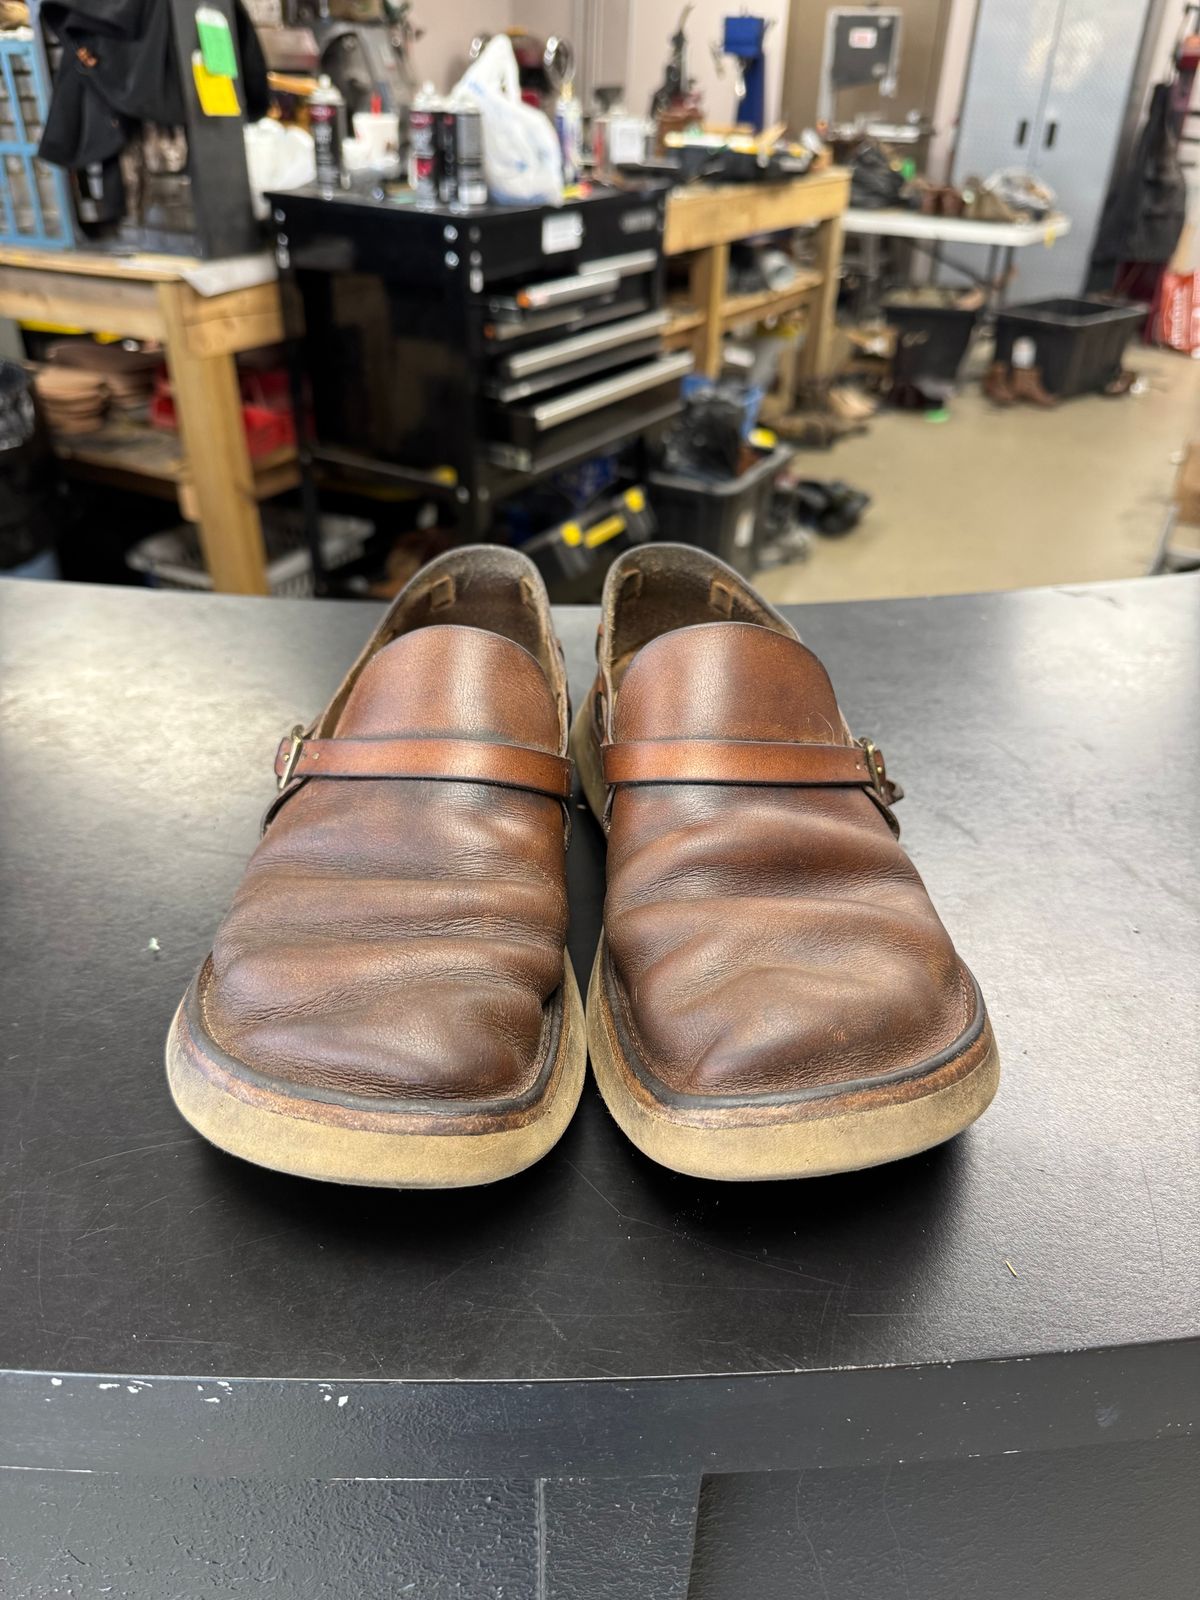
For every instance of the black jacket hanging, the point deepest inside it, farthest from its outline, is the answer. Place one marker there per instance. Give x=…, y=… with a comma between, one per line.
x=1145, y=211
x=120, y=68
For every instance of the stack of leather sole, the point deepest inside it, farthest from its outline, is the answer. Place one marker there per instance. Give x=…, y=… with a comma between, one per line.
x=128, y=370
x=72, y=402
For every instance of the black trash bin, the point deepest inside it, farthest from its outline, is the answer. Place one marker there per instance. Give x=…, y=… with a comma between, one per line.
x=1078, y=344
x=723, y=515
x=933, y=332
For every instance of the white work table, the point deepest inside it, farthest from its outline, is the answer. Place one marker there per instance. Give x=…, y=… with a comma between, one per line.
x=892, y=223
x=1000, y=239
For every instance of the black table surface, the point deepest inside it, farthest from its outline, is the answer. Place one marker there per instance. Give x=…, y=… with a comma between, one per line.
x=1047, y=743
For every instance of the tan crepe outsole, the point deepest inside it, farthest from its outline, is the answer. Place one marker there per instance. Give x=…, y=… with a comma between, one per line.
x=810, y=1140
x=296, y=1136
x=814, y=1143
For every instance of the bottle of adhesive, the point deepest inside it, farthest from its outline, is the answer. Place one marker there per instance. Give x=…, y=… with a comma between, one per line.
x=461, y=181
x=568, y=123
x=422, y=144
x=327, y=123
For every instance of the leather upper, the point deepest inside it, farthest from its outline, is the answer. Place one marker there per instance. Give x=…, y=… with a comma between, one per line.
x=404, y=936
x=762, y=938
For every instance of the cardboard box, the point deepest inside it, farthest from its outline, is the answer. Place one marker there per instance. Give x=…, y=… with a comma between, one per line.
x=1187, y=487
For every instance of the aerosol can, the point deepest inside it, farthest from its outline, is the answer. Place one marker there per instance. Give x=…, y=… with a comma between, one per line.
x=568, y=123
x=422, y=144
x=327, y=123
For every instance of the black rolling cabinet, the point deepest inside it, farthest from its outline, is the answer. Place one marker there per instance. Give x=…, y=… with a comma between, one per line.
x=469, y=354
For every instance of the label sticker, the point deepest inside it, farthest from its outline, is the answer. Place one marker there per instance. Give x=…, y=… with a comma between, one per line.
x=643, y=220
x=863, y=38
x=562, y=231
x=216, y=42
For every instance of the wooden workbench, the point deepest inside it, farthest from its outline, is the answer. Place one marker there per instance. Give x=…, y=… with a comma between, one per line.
x=703, y=221
x=209, y=468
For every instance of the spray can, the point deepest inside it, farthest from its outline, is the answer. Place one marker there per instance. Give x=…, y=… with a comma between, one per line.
x=468, y=154
x=327, y=122
x=568, y=123
x=446, y=152
x=422, y=144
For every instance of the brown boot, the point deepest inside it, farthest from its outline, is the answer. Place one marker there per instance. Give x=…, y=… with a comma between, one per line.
x=388, y=1000
x=1027, y=385
x=774, y=995
x=997, y=384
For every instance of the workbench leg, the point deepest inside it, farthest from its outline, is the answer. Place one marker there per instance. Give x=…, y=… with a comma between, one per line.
x=209, y=409
x=1006, y=272
x=817, y=355
x=709, y=274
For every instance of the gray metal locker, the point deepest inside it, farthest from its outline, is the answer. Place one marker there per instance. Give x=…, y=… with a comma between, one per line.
x=1007, y=82
x=1089, y=85
x=1046, y=90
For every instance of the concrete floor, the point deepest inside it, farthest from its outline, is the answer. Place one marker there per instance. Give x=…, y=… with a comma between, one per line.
x=1000, y=499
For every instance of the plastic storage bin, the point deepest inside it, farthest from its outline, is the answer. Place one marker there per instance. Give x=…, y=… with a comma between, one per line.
x=35, y=197
x=172, y=560
x=1078, y=344
x=932, y=334
x=721, y=515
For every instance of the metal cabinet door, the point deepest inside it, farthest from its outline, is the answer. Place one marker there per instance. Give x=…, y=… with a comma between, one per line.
x=1076, y=136
x=1008, y=80
x=1007, y=84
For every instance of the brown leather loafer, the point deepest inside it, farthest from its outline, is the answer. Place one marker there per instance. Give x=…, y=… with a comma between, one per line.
x=774, y=995
x=389, y=1000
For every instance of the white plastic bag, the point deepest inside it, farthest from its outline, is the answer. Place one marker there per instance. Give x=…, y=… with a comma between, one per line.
x=522, y=159
x=277, y=158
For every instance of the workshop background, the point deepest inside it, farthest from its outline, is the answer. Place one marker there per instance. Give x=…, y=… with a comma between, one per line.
x=870, y=301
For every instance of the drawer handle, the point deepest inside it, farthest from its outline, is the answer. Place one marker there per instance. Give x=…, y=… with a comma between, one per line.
x=580, y=401
x=584, y=344
x=626, y=265
x=557, y=291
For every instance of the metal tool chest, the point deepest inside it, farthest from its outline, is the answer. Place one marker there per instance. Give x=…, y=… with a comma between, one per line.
x=470, y=353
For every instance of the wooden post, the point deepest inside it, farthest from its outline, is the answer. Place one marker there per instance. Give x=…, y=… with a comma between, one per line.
x=817, y=354
x=209, y=409
x=709, y=272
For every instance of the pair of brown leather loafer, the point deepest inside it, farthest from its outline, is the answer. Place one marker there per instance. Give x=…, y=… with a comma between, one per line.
x=389, y=1000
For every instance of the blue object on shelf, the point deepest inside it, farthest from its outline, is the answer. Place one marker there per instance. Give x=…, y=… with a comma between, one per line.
x=743, y=39
x=35, y=197
x=749, y=395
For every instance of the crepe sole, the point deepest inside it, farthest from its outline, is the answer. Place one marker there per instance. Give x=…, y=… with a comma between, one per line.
x=343, y=1138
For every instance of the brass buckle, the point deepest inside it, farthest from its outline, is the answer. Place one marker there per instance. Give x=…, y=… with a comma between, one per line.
x=293, y=755
x=876, y=767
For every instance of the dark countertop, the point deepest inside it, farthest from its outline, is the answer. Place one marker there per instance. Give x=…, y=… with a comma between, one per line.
x=1047, y=743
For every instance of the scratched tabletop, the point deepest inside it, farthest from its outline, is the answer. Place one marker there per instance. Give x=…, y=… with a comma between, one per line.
x=1047, y=744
